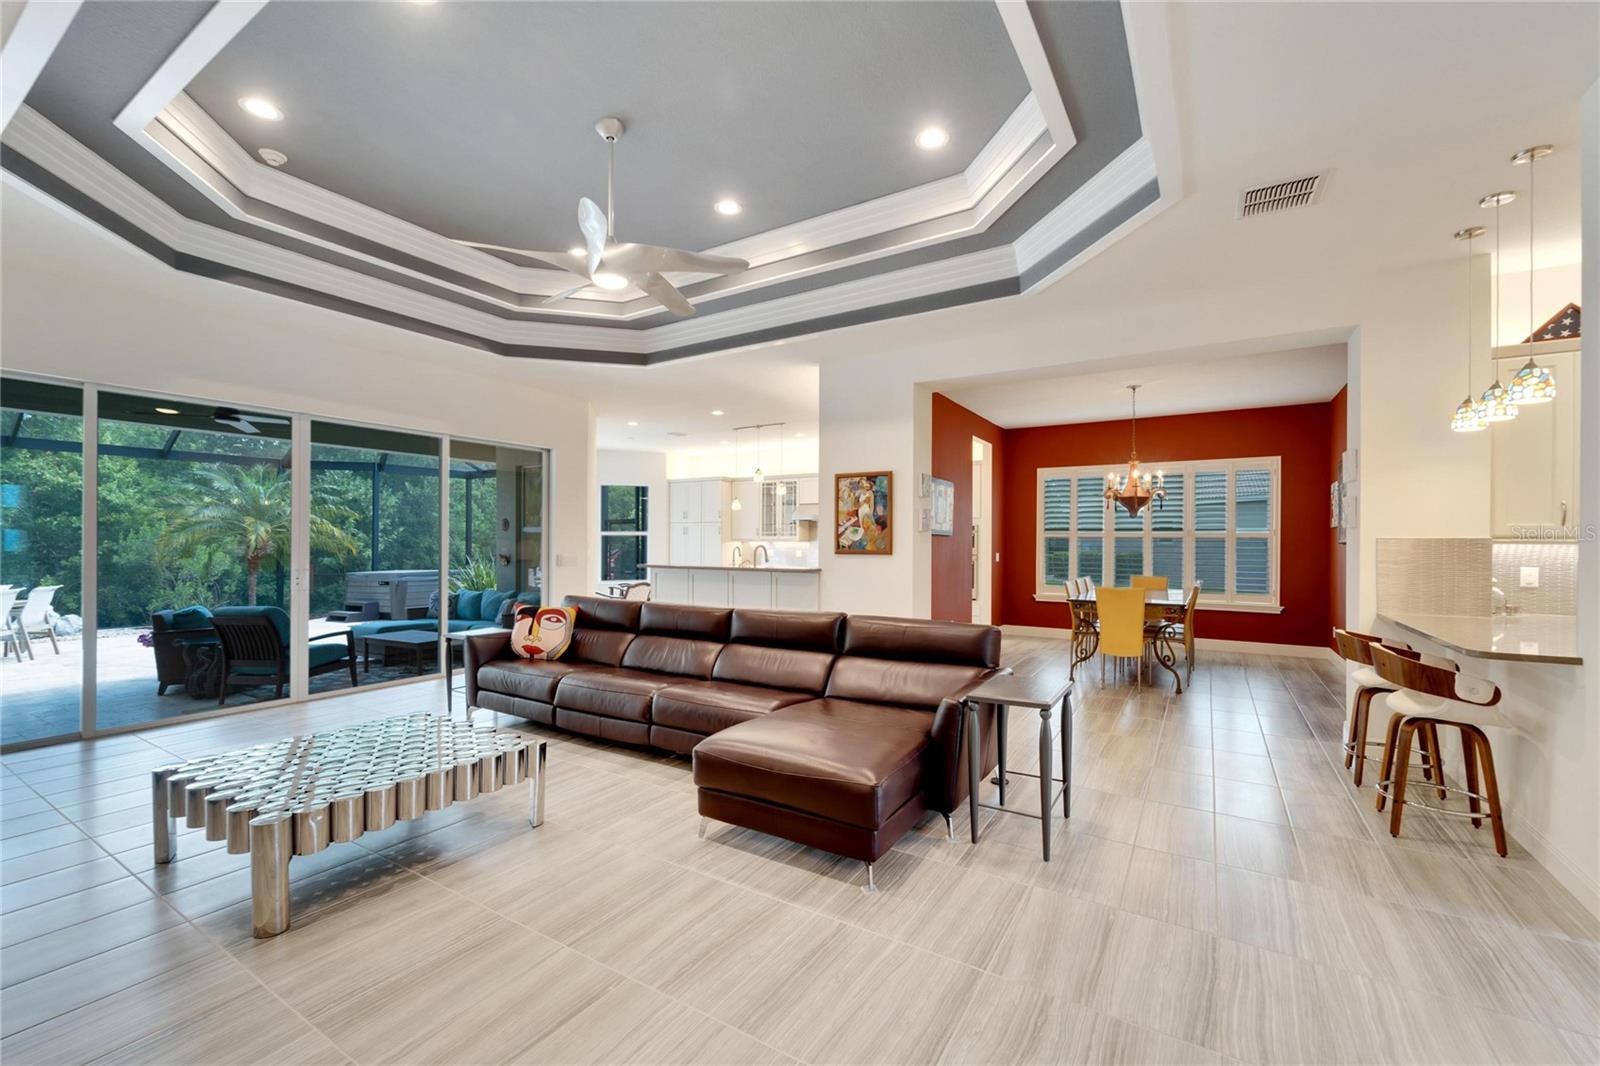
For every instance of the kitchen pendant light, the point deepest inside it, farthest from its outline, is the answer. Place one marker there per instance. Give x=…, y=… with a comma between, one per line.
x=1466, y=418
x=735, y=505
x=1533, y=384
x=1495, y=404
x=759, y=477
x=1135, y=488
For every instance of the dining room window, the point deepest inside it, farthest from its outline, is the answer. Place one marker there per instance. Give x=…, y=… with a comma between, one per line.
x=1218, y=525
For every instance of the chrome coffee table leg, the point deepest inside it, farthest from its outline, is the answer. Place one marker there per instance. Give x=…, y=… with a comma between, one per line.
x=165, y=825
x=271, y=842
x=536, y=784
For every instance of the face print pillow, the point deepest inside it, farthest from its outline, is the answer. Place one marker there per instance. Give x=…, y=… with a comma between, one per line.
x=542, y=632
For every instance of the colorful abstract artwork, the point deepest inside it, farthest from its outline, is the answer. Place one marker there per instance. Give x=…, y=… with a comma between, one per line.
x=863, y=513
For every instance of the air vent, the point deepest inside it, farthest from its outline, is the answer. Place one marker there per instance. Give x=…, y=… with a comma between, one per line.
x=676, y=433
x=1265, y=199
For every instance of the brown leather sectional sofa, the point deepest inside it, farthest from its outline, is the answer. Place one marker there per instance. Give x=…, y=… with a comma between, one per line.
x=839, y=732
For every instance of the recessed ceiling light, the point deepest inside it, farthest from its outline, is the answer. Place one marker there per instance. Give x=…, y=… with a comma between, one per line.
x=633, y=423
x=261, y=107
x=577, y=251
x=932, y=138
x=166, y=410
x=727, y=207
x=610, y=281
x=272, y=157
x=716, y=414
x=724, y=442
x=799, y=436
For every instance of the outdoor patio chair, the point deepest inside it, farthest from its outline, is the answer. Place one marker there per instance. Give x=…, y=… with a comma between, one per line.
x=8, y=639
x=170, y=631
x=255, y=649
x=35, y=617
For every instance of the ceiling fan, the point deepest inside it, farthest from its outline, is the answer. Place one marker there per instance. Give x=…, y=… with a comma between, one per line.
x=610, y=264
x=234, y=418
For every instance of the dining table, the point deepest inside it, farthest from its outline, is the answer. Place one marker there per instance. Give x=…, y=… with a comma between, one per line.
x=1164, y=608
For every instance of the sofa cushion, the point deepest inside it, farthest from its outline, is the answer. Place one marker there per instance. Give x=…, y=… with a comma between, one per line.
x=276, y=615
x=854, y=762
x=327, y=651
x=603, y=612
x=604, y=647
x=804, y=630
x=681, y=620
x=672, y=655
x=709, y=706
x=905, y=684
x=756, y=664
x=489, y=606
x=469, y=602
x=529, y=679
x=609, y=693
x=195, y=617
x=393, y=625
x=922, y=641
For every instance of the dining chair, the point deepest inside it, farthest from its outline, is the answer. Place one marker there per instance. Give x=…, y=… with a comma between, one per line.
x=1148, y=581
x=8, y=638
x=1121, y=615
x=35, y=617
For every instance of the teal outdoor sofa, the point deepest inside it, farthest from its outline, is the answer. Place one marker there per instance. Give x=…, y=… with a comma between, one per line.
x=468, y=609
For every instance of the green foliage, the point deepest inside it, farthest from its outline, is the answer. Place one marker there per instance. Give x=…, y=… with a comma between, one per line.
x=476, y=574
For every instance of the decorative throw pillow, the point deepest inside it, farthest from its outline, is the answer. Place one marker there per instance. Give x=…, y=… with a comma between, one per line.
x=542, y=632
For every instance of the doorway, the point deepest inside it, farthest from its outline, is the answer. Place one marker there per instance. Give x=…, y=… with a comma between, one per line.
x=982, y=531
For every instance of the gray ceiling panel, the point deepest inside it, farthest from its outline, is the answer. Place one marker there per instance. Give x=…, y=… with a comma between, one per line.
x=476, y=119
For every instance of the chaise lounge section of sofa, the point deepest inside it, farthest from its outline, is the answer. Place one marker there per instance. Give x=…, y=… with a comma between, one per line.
x=838, y=732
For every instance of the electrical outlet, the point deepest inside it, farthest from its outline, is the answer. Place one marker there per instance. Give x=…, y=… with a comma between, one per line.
x=1530, y=577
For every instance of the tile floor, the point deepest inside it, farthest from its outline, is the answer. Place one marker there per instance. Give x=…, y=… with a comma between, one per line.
x=1219, y=894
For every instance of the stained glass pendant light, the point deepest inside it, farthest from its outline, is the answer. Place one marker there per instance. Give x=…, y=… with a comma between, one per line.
x=1495, y=404
x=1135, y=488
x=1532, y=384
x=1466, y=418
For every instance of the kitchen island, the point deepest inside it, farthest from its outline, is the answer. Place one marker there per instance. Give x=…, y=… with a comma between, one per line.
x=1529, y=638
x=784, y=588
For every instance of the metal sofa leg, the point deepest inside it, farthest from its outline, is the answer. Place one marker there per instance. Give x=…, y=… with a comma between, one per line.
x=703, y=823
x=871, y=885
x=949, y=827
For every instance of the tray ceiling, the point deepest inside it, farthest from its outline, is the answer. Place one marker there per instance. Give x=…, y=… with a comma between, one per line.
x=410, y=124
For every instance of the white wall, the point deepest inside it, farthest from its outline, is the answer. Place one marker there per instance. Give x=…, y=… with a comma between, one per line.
x=616, y=467
x=83, y=306
x=778, y=456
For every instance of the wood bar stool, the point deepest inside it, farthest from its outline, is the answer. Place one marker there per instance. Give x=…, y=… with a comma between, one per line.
x=1431, y=693
x=1353, y=647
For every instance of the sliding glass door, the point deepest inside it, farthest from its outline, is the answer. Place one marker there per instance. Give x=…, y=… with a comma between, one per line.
x=497, y=520
x=195, y=517
x=374, y=537
x=41, y=559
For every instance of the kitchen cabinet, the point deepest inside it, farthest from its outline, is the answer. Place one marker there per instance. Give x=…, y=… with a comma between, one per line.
x=1534, y=457
x=751, y=588
x=777, y=508
x=709, y=588
x=699, y=521
x=806, y=492
x=726, y=586
x=669, y=585
x=746, y=521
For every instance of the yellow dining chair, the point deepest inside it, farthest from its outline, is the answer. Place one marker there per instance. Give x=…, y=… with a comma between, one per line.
x=1121, y=614
x=1148, y=581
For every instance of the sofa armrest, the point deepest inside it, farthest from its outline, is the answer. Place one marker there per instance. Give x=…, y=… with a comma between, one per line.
x=478, y=649
x=945, y=778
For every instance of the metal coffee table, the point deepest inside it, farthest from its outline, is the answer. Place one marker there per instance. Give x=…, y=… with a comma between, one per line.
x=298, y=795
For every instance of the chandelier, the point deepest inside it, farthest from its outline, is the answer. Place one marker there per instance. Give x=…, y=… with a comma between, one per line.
x=1135, y=488
x=1533, y=384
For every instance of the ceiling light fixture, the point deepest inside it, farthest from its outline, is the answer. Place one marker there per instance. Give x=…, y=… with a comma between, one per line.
x=728, y=208
x=1495, y=404
x=633, y=423
x=166, y=410
x=261, y=107
x=1466, y=418
x=609, y=281
x=1135, y=488
x=1533, y=384
x=932, y=138
x=579, y=252
x=716, y=414
x=272, y=157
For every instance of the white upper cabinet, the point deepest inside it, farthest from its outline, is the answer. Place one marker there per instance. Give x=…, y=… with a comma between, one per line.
x=713, y=500
x=1535, y=457
x=684, y=500
x=806, y=489
x=746, y=521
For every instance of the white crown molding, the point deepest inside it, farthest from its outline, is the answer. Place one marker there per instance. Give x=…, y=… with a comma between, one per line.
x=166, y=122
x=38, y=29
x=51, y=148
x=1121, y=178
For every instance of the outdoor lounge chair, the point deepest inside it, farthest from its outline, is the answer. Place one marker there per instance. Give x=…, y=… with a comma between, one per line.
x=255, y=649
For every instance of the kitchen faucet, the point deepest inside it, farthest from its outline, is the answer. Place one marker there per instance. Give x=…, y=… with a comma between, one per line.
x=761, y=555
x=738, y=556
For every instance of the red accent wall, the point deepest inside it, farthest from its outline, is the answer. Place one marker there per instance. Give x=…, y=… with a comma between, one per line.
x=953, y=429
x=1338, y=441
x=1301, y=435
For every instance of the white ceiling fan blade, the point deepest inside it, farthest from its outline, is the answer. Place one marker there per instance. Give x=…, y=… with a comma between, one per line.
x=243, y=425
x=663, y=292
x=592, y=221
x=554, y=260
x=643, y=258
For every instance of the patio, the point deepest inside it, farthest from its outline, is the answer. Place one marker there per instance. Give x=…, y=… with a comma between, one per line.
x=39, y=697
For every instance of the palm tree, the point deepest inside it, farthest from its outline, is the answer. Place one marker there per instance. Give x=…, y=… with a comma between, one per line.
x=246, y=509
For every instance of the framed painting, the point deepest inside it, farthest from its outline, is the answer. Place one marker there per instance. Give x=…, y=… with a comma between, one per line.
x=943, y=523
x=863, y=513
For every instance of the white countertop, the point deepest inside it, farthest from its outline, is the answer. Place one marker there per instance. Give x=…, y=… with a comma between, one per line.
x=1531, y=638
x=777, y=569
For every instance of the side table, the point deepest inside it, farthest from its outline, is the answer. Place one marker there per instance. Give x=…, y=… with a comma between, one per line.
x=453, y=642
x=1041, y=685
